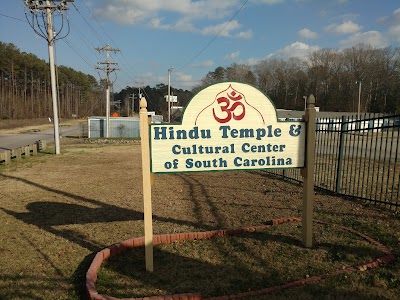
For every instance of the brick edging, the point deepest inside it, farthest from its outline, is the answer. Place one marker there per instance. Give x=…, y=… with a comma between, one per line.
x=91, y=275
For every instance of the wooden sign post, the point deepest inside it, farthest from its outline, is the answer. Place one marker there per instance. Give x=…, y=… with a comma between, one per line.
x=308, y=174
x=148, y=218
x=228, y=126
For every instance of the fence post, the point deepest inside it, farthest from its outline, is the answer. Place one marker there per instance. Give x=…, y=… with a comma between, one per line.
x=6, y=156
x=343, y=129
x=27, y=151
x=33, y=147
x=308, y=173
x=17, y=153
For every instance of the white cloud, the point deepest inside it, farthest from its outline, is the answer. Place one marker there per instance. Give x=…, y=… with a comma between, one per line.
x=156, y=23
x=183, y=81
x=394, y=33
x=307, y=34
x=296, y=49
x=269, y=2
x=179, y=80
x=177, y=15
x=183, y=77
x=244, y=34
x=150, y=78
x=394, y=19
x=139, y=11
x=133, y=11
x=344, y=28
x=396, y=16
x=373, y=38
x=252, y=61
x=232, y=56
x=203, y=64
x=223, y=29
x=182, y=25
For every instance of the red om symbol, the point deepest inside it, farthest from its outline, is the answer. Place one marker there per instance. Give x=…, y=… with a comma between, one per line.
x=228, y=109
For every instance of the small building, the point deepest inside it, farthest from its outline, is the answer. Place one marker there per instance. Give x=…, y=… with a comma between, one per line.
x=120, y=127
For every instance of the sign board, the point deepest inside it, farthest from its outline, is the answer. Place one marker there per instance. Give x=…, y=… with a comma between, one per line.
x=227, y=126
x=172, y=99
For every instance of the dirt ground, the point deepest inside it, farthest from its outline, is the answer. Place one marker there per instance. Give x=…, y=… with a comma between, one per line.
x=24, y=126
x=57, y=211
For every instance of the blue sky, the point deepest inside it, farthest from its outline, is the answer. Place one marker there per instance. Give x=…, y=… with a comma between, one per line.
x=196, y=36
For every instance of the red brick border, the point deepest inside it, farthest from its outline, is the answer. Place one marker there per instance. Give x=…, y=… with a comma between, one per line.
x=91, y=275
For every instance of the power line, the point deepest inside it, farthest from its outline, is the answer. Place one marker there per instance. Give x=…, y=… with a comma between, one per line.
x=66, y=41
x=214, y=38
x=105, y=32
x=81, y=55
x=90, y=26
x=3, y=15
x=94, y=17
x=85, y=40
x=122, y=53
x=130, y=73
x=69, y=42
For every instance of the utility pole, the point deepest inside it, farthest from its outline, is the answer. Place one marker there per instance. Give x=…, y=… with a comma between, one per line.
x=108, y=68
x=359, y=99
x=139, y=85
x=38, y=10
x=169, y=92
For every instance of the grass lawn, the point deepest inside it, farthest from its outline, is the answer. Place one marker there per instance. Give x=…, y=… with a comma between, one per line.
x=57, y=212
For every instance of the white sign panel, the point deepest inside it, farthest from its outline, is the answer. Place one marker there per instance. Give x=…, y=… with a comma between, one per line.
x=227, y=126
x=171, y=98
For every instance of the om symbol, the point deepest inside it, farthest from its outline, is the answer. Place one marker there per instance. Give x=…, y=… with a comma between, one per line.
x=228, y=111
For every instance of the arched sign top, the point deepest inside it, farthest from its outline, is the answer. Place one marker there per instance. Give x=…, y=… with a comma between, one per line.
x=227, y=126
x=230, y=102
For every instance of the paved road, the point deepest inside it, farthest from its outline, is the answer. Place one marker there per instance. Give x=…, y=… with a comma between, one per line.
x=12, y=141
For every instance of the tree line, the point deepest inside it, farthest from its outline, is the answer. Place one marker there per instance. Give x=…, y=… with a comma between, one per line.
x=25, y=88
x=337, y=79
x=155, y=97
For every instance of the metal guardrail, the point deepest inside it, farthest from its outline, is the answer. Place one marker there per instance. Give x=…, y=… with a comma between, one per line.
x=358, y=158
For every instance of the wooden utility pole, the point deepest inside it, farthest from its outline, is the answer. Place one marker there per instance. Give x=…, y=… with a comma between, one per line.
x=108, y=68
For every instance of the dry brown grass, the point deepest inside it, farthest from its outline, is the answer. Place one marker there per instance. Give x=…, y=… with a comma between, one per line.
x=57, y=211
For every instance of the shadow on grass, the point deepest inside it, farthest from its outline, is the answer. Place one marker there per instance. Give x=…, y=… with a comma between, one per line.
x=175, y=271
x=198, y=192
x=48, y=215
x=199, y=267
x=79, y=276
x=39, y=286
